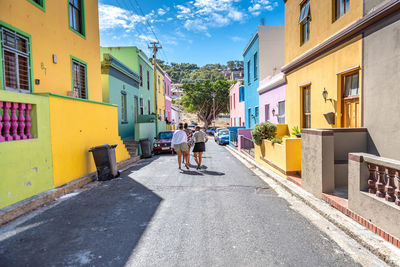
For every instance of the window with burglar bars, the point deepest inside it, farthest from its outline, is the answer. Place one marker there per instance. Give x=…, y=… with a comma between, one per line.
x=141, y=106
x=124, y=117
x=141, y=75
x=305, y=21
x=79, y=79
x=281, y=112
x=148, y=80
x=76, y=16
x=16, y=65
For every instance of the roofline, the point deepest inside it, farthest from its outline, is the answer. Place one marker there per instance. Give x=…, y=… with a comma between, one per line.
x=252, y=40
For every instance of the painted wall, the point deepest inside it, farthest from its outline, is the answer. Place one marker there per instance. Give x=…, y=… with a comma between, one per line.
x=322, y=24
x=128, y=55
x=160, y=92
x=271, y=97
x=168, y=96
x=145, y=130
x=237, y=107
x=251, y=85
x=322, y=73
x=381, y=87
x=26, y=165
x=144, y=92
x=175, y=116
x=76, y=126
x=272, y=49
x=51, y=26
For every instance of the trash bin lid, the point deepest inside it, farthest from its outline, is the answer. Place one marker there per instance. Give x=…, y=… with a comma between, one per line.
x=105, y=146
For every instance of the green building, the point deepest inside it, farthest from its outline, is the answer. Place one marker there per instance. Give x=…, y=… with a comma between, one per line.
x=142, y=103
x=120, y=86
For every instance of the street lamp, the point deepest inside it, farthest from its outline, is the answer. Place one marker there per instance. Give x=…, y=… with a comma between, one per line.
x=213, y=96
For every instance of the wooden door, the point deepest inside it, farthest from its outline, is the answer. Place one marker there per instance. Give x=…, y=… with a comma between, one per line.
x=135, y=108
x=351, y=101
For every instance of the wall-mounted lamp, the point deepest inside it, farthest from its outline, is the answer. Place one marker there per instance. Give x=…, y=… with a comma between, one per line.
x=325, y=94
x=273, y=112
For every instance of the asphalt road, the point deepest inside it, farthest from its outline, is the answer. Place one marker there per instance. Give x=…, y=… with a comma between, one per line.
x=157, y=215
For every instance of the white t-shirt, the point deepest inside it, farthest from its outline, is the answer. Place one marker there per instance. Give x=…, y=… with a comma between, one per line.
x=179, y=137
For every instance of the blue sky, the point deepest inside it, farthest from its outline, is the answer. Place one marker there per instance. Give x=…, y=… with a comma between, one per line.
x=193, y=31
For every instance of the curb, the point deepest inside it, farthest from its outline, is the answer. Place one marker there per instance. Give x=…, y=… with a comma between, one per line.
x=374, y=243
x=25, y=206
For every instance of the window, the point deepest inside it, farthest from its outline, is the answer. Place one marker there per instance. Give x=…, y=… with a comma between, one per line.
x=351, y=85
x=341, y=8
x=38, y=3
x=249, y=116
x=149, y=106
x=255, y=66
x=267, y=112
x=141, y=75
x=240, y=121
x=234, y=101
x=76, y=16
x=304, y=21
x=148, y=80
x=159, y=84
x=307, y=107
x=16, y=61
x=281, y=112
x=123, y=108
x=141, y=104
x=241, y=94
x=79, y=78
x=257, y=113
x=248, y=72
x=159, y=114
x=165, y=88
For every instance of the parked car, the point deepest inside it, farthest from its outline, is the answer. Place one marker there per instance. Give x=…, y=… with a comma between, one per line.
x=216, y=133
x=211, y=131
x=163, y=142
x=223, y=137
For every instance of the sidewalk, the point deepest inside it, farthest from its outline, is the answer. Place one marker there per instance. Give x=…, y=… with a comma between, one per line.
x=374, y=243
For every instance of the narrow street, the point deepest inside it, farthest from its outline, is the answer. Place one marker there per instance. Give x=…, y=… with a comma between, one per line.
x=156, y=215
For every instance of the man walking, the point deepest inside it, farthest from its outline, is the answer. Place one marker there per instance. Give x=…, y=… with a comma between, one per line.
x=179, y=143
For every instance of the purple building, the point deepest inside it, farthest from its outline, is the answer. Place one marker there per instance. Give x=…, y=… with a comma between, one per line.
x=272, y=96
x=168, y=112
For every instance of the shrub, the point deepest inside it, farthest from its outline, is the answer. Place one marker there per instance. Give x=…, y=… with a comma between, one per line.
x=276, y=141
x=265, y=130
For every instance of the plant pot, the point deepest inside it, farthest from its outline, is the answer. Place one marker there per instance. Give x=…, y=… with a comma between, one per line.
x=298, y=135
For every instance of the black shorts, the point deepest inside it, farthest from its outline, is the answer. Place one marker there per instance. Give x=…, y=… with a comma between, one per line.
x=199, y=147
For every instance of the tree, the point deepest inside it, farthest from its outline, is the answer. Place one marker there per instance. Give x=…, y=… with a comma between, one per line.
x=198, y=98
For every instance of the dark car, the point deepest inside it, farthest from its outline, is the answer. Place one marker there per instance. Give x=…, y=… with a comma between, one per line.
x=163, y=142
x=223, y=137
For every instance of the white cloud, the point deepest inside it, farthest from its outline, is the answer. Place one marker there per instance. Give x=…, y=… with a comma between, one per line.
x=200, y=15
x=111, y=17
x=163, y=11
x=237, y=39
x=261, y=5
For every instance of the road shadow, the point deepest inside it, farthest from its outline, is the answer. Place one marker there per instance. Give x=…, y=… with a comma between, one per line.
x=98, y=227
x=213, y=173
x=193, y=173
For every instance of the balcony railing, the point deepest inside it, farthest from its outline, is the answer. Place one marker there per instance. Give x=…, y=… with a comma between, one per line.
x=247, y=145
x=381, y=181
x=15, y=121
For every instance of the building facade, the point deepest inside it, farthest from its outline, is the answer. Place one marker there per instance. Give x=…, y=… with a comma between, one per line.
x=51, y=97
x=237, y=104
x=121, y=88
x=323, y=69
x=272, y=99
x=168, y=99
x=262, y=58
x=160, y=92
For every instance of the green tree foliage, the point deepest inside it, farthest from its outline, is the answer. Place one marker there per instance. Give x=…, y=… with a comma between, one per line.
x=198, y=98
x=192, y=73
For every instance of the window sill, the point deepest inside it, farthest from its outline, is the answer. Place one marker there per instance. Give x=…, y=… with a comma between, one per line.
x=78, y=33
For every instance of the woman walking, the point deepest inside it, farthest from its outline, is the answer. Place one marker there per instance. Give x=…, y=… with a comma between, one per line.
x=179, y=143
x=199, y=139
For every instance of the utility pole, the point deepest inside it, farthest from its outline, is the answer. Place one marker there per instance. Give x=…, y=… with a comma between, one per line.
x=213, y=96
x=155, y=46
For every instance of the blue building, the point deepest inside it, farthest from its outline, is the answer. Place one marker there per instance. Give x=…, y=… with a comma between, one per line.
x=251, y=82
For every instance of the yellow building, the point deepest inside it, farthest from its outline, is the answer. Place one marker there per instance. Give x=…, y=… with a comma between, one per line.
x=323, y=63
x=50, y=60
x=160, y=93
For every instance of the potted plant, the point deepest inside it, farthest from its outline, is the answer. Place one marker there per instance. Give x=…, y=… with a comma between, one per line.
x=296, y=131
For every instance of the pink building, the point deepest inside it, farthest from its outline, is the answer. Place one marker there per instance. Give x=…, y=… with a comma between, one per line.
x=272, y=97
x=236, y=100
x=168, y=112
